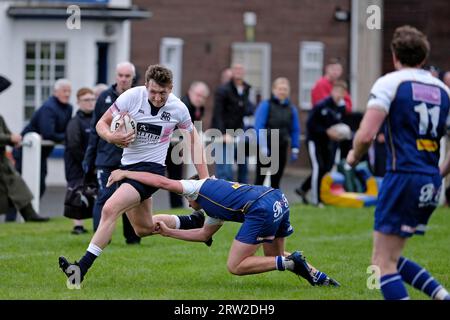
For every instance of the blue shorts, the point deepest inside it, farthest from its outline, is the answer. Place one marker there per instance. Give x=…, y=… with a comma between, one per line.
x=406, y=202
x=144, y=190
x=267, y=219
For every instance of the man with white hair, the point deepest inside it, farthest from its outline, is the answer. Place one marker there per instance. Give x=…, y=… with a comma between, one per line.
x=103, y=157
x=194, y=100
x=50, y=121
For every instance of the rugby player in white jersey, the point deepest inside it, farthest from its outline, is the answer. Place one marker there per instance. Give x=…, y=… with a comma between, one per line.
x=157, y=112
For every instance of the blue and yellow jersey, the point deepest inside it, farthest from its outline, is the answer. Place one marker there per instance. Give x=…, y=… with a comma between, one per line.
x=417, y=105
x=224, y=200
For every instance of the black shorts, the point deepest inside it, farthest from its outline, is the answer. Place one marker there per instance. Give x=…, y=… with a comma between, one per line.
x=144, y=190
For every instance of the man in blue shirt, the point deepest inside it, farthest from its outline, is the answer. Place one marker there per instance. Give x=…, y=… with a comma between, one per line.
x=414, y=106
x=263, y=212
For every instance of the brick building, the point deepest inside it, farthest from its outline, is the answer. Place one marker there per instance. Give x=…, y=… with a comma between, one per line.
x=213, y=34
x=291, y=38
x=432, y=17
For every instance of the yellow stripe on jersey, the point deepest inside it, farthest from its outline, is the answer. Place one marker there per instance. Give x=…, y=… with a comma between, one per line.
x=236, y=185
x=426, y=145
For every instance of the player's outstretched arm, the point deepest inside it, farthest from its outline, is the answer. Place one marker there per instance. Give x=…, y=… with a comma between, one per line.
x=197, y=235
x=147, y=178
x=198, y=155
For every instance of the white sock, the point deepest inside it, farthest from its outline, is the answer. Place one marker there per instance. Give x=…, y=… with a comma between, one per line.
x=288, y=264
x=94, y=249
x=441, y=295
x=177, y=221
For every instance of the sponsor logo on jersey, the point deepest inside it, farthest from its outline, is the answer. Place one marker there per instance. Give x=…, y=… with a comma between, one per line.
x=285, y=201
x=426, y=93
x=277, y=209
x=165, y=116
x=148, y=133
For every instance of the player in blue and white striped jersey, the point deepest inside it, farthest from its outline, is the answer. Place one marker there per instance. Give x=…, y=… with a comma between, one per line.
x=414, y=106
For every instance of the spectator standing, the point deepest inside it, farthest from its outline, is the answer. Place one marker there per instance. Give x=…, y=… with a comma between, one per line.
x=226, y=75
x=99, y=88
x=322, y=88
x=231, y=105
x=13, y=190
x=322, y=138
x=50, y=121
x=77, y=138
x=194, y=100
x=278, y=113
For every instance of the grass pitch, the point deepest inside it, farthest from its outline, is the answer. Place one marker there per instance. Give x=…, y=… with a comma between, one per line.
x=335, y=240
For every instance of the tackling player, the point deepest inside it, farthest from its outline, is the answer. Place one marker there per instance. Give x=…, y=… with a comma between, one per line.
x=263, y=212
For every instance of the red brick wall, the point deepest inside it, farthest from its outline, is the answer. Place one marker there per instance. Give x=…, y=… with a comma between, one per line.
x=208, y=29
x=431, y=17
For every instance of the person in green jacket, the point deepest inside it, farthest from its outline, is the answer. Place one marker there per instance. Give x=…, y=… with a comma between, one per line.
x=13, y=189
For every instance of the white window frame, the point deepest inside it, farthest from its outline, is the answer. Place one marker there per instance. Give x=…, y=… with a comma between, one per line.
x=306, y=65
x=37, y=82
x=265, y=48
x=168, y=47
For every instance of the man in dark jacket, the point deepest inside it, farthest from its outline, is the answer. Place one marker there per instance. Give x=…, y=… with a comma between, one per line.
x=13, y=190
x=77, y=138
x=231, y=105
x=322, y=138
x=50, y=121
x=104, y=157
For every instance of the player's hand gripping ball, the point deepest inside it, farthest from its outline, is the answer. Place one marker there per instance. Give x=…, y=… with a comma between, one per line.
x=129, y=124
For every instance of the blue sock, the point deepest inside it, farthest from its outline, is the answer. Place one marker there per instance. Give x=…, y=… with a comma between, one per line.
x=393, y=288
x=418, y=277
x=280, y=263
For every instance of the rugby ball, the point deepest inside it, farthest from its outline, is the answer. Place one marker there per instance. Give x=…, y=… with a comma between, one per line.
x=129, y=123
x=344, y=132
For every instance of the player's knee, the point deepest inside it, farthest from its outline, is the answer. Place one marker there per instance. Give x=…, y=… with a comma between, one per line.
x=234, y=269
x=144, y=231
x=108, y=212
x=386, y=263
